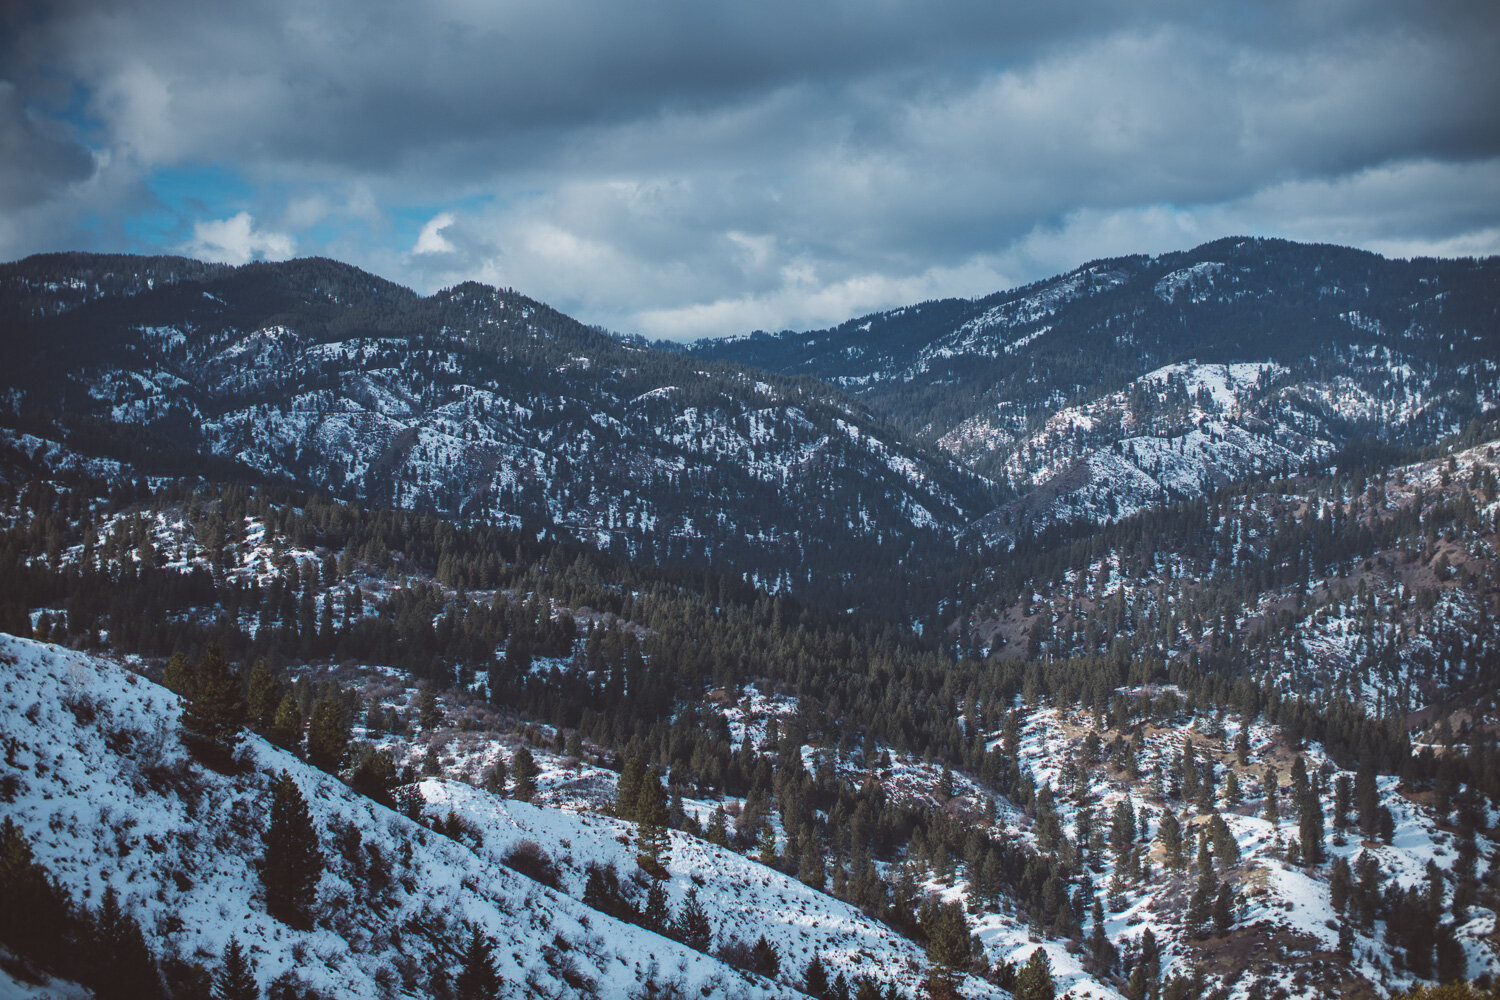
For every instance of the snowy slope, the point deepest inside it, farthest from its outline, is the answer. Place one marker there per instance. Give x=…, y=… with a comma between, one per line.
x=109, y=798
x=744, y=899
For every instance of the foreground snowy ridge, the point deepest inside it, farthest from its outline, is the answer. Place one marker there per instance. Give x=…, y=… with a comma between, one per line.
x=109, y=798
x=100, y=783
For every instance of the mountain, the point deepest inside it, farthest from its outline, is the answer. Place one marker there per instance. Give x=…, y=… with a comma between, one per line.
x=1137, y=379
x=1086, y=640
x=475, y=403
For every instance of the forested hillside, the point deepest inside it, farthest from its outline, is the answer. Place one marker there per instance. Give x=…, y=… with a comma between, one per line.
x=359, y=643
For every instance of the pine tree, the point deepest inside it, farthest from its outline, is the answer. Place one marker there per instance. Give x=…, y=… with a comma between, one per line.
x=328, y=735
x=1200, y=904
x=477, y=979
x=718, y=832
x=216, y=709
x=657, y=916
x=1169, y=833
x=765, y=960
x=263, y=697
x=815, y=979
x=429, y=715
x=523, y=770
x=1367, y=801
x=767, y=846
x=35, y=914
x=628, y=787
x=178, y=676
x=1340, y=883
x=1223, y=913
x=1034, y=981
x=293, y=863
x=235, y=979
x=124, y=968
x=286, y=730
x=1310, y=828
x=1122, y=826
x=1100, y=947
x=949, y=944
x=651, y=819
x=693, y=928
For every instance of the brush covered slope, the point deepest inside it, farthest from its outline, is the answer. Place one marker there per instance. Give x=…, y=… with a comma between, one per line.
x=99, y=782
x=1380, y=588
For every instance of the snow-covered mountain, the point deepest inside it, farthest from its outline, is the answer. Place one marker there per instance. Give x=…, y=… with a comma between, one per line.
x=1296, y=350
x=474, y=403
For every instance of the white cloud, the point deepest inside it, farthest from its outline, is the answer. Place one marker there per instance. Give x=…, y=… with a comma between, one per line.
x=785, y=165
x=431, y=239
x=236, y=240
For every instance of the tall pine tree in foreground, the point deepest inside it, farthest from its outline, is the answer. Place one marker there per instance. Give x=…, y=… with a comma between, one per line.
x=216, y=709
x=122, y=967
x=235, y=979
x=477, y=980
x=328, y=735
x=293, y=862
x=1034, y=981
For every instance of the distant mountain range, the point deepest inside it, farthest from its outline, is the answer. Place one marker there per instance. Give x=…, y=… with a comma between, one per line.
x=1084, y=398
x=1135, y=379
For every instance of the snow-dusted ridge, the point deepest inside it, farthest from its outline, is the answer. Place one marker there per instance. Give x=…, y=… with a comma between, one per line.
x=109, y=798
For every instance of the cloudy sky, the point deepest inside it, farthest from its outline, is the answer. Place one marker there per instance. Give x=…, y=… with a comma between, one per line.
x=682, y=169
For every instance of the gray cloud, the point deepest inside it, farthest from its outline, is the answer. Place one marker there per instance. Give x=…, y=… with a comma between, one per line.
x=684, y=168
x=39, y=158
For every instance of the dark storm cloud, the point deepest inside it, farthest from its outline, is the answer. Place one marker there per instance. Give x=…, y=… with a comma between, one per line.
x=690, y=167
x=37, y=158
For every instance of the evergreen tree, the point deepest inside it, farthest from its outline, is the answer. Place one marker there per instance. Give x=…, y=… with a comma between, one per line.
x=815, y=979
x=429, y=715
x=1100, y=947
x=477, y=979
x=286, y=730
x=216, y=709
x=1034, y=981
x=1200, y=904
x=651, y=819
x=35, y=916
x=657, y=916
x=235, y=979
x=765, y=960
x=523, y=770
x=293, y=862
x=1340, y=883
x=123, y=967
x=1223, y=912
x=767, y=847
x=693, y=928
x=179, y=676
x=718, y=833
x=1310, y=827
x=1367, y=801
x=1169, y=832
x=263, y=697
x=1270, y=782
x=328, y=735
x=949, y=944
x=628, y=788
